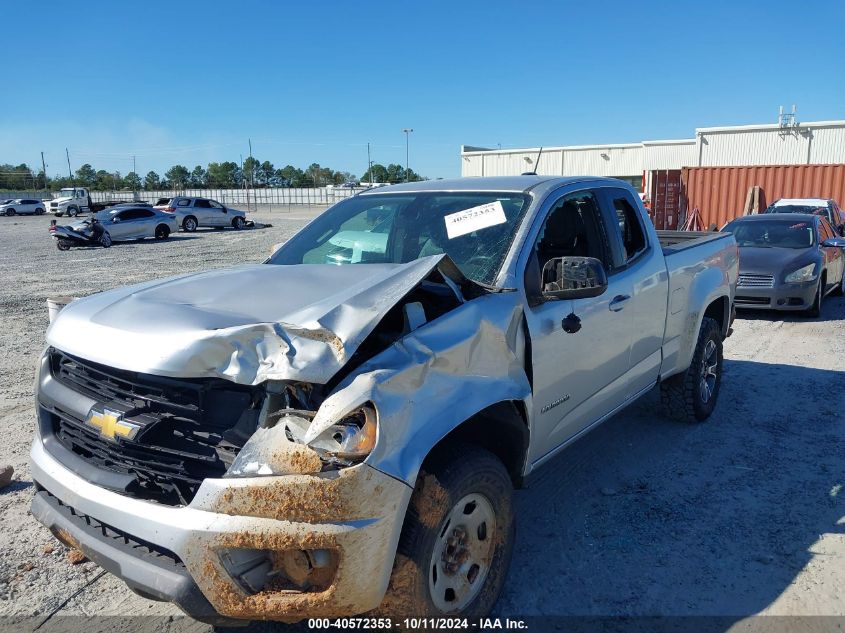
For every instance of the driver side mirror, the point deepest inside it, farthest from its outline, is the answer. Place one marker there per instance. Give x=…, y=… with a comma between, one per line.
x=837, y=242
x=573, y=278
x=115, y=220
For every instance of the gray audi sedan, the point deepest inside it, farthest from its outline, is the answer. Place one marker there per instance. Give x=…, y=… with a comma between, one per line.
x=787, y=261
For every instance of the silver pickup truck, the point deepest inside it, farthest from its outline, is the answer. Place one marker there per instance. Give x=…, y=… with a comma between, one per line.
x=302, y=439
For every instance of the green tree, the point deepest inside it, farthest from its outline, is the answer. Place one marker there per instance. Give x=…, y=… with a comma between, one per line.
x=251, y=166
x=266, y=173
x=378, y=172
x=132, y=181
x=86, y=176
x=177, y=176
x=290, y=176
x=152, y=181
x=226, y=174
x=16, y=177
x=199, y=177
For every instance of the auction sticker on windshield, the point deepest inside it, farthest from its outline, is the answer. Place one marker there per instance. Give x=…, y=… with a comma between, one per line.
x=481, y=217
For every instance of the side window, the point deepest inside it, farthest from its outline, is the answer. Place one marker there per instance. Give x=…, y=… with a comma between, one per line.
x=202, y=203
x=825, y=232
x=629, y=225
x=215, y=205
x=143, y=214
x=573, y=227
x=184, y=202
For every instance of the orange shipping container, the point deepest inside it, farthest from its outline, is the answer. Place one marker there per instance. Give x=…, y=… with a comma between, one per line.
x=719, y=193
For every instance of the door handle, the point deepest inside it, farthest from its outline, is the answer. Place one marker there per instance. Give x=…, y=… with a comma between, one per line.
x=618, y=302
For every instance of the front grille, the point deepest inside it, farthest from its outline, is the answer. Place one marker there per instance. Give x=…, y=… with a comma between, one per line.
x=758, y=301
x=182, y=424
x=748, y=280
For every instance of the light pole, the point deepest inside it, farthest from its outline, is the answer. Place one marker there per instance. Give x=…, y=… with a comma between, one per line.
x=407, y=132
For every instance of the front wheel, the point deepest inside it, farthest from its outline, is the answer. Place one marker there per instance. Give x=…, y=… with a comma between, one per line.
x=238, y=223
x=457, y=539
x=815, y=310
x=10, y=212
x=63, y=245
x=105, y=240
x=189, y=224
x=840, y=289
x=72, y=212
x=691, y=396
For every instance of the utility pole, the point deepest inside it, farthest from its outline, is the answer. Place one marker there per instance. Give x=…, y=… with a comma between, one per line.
x=134, y=173
x=251, y=174
x=369, y=165
x=407, y=132
x=44, y=171
x=69, y=172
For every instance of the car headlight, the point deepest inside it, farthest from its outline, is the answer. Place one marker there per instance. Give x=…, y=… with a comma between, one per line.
x=805, y=273
x=350, y=440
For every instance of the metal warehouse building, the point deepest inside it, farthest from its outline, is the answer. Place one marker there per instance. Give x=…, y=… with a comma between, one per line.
x=661, y=169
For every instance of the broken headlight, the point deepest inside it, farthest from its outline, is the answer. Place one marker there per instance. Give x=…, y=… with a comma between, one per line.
x=343, y=443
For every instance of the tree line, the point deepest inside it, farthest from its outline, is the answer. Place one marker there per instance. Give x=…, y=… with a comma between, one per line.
x=223, y=175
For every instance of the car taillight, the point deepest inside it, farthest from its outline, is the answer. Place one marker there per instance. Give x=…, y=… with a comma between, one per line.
x=169, y=209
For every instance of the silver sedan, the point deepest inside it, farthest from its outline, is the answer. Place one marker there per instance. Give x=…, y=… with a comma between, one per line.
x=134, y=223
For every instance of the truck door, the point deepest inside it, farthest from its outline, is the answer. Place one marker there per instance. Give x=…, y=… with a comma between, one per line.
x=643, y=265
x=578, y=375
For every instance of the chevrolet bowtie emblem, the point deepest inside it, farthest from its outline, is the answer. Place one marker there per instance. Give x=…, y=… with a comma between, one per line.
x=111, y=426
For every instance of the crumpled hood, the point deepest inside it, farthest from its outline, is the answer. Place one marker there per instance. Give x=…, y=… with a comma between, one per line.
x=246, y=324
x=773, y=260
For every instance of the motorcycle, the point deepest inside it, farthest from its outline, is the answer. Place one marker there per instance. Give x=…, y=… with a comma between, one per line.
x=92, y=234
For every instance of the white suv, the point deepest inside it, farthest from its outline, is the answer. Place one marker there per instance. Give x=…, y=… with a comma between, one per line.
x=22, y=206
x=192, y=212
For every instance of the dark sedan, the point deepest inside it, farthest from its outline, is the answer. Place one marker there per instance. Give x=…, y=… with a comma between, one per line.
x=787, y=261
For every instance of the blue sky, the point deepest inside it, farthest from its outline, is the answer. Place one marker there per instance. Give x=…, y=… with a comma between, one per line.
x=189, y=82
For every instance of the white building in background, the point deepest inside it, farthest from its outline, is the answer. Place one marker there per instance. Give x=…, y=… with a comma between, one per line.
x=819, y=142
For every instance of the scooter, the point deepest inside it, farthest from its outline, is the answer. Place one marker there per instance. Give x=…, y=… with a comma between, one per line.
x=92, y=235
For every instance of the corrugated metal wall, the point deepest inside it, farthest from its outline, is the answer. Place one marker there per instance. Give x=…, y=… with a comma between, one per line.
x=753, y=147
x=719, y=193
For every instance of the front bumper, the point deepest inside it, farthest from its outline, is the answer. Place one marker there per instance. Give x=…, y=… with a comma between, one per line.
x=781, y=297
x=180, y=554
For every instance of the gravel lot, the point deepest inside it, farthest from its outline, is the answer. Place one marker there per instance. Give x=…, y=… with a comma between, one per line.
x=644, y=517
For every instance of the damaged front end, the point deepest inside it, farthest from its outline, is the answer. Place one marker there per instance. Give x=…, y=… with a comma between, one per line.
x=280, y=458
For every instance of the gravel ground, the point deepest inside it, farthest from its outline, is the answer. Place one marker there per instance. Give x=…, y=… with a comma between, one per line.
x=739, y=516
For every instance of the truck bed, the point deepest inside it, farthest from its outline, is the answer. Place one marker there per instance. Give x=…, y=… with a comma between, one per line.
x=675, y=241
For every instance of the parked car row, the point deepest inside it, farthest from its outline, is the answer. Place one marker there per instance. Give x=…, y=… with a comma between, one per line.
x=791, y=256
x=134, y=221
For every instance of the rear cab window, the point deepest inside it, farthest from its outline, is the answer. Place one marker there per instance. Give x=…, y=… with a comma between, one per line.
x=628, y=224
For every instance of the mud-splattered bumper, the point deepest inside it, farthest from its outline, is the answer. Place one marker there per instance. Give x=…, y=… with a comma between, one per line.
x=340, y=529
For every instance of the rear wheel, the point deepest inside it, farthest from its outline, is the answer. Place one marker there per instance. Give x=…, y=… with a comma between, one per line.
x=162, y=232
x=63, y=245
x=189, y=224
x=238, y=223
x=39, y=211
x=457, y=539
x=105, y=240
x=691, y=396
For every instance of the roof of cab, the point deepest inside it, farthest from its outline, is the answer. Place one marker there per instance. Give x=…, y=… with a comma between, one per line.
x=521, y=184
